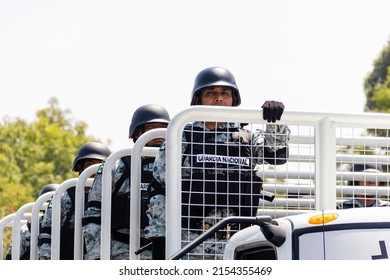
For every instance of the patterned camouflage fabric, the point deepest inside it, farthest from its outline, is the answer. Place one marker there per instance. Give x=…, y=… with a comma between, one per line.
x=275, y=137
x=25, y=241
x=44, y=250
x=355, y=203
x=92, y=231
x=210, y=249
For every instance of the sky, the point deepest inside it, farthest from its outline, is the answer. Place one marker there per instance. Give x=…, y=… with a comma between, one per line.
x=103, y=59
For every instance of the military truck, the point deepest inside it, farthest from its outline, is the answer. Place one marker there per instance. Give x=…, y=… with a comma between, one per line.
x=350, y=234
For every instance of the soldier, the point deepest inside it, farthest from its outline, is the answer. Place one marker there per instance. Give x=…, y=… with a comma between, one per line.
x=362, y=199
x=25, y=230
x=218, y=159
x=89, y=154
x=145, y=118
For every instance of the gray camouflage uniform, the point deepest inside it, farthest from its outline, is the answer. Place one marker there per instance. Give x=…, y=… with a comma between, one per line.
x=355, y=203
x=25, y=241
x=274, y=138
x=67, y=218
x=92, y=231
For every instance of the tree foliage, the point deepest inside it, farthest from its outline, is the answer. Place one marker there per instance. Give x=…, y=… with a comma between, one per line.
x=377, y=84
x=37, y=153
x=377, y=88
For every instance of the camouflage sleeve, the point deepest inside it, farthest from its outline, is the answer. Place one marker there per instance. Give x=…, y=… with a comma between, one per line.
x=25, y=241
x=274, y=139
x=25, y=238
x=156, y=215
x=44, y=238
x=93, y=212
x=67, y=210
x=92, y=241
x=276, y=136
x=159, y=167
x=156, y=207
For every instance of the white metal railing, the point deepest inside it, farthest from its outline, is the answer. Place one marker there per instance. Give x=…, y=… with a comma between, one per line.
x=138, y=150
x=35, y=220
x=8, y=221
x=109, y=164
x=135, y=205
x=105, y=248
x=16, y=229
x=314, y=172
x=56, y=213
x=324, y=141
x=84, y=180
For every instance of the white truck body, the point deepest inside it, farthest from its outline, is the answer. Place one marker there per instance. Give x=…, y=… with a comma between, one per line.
x=350, y=234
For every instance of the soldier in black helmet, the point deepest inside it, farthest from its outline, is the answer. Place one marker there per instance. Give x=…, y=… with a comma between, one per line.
x=48, y=188
x=89, y=154
x=25, y=230
x=218, y=162
x=145, y=118
x=363, y=199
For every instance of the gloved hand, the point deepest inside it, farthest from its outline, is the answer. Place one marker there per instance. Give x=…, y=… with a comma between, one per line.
x=272, y=110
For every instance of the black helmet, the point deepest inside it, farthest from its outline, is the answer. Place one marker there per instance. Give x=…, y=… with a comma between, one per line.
x=48, y=188
x=215, y=76
x=149, y=113
x=91, y=150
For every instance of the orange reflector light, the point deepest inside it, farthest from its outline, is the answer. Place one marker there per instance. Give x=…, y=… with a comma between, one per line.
x=322, y=218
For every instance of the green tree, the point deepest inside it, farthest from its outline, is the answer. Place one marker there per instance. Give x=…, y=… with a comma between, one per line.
x=377, y=84
x=37, y=153
x=377, y=88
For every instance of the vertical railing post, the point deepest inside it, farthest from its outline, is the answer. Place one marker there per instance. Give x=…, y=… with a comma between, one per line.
x=109, y=165
x=35, y=222
x=16, y=229
x=326, y=165
x=4, y=223
x=56, y=217
x=139, y=150
x=83, y=182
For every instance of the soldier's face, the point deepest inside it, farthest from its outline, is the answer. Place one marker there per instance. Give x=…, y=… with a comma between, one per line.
x=217, y=96
x=157, y=141
x=89, y=162
x=367, y=184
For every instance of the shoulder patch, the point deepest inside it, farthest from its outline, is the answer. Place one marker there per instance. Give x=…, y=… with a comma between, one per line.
x=100, y=169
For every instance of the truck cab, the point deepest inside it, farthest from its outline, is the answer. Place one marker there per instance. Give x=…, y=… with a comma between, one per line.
x=350, y=234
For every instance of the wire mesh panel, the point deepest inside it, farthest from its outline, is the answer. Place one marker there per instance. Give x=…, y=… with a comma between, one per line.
x=363, y=166
x=220, y=178
x=224, y=175
x=293, y=182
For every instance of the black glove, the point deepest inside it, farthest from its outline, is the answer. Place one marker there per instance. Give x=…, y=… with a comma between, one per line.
x=272, y=110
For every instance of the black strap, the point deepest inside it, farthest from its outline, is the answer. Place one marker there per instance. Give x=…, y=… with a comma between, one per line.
x=118, y=184
x=44, y=241
x=46, y=230
x=122, y=237
x=155, y=188
x=91, y=220
x=94, y=203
